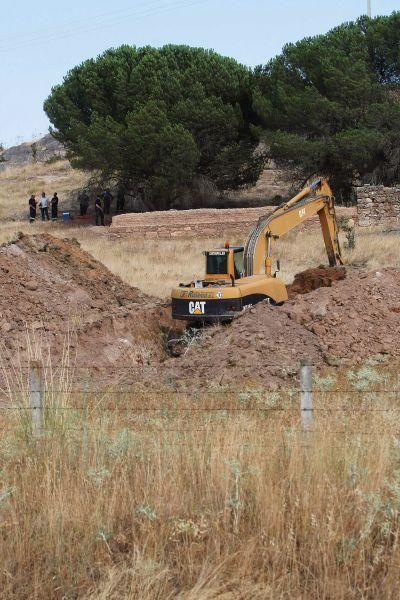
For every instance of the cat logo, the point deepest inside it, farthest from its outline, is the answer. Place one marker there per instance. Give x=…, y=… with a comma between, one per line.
x=196, y=308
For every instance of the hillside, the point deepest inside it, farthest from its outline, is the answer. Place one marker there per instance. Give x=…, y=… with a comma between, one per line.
x=17, y=183
x=41, y=150
x=40, y=165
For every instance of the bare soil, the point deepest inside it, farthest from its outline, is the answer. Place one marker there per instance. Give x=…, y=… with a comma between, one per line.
x=312, y=279
x=355, y=318
x=53, y=291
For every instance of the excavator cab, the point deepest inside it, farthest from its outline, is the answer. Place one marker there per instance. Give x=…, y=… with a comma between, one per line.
x=216, y=297
x=225, y=263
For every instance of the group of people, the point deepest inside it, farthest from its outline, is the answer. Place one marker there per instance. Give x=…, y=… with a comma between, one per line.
x=102, y=204
x=44, y=204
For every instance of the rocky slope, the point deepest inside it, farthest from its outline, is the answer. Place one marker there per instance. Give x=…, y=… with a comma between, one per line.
x=42, y=150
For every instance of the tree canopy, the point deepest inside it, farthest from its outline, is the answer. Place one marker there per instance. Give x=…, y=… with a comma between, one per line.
x=157, y=118
x=329, y=104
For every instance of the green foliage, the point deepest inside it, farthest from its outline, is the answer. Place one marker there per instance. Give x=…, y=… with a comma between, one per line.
x=155, y=119
x=365, y=378
x=347, y=226
x=329, y=104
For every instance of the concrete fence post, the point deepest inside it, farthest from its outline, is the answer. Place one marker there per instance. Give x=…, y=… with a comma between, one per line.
x=306, y=396
x=36, y=397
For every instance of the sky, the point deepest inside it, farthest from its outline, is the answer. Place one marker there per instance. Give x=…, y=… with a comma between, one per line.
x=41, y=40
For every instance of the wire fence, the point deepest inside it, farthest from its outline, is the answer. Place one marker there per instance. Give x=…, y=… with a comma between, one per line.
x=42, y=397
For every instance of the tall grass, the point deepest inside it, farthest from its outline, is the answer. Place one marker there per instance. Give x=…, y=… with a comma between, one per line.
x=159, y=494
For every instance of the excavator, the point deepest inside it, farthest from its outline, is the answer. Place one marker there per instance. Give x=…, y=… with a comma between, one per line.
x=238, y=277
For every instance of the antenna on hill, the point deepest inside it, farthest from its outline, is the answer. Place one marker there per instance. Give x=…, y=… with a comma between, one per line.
x=369, y=8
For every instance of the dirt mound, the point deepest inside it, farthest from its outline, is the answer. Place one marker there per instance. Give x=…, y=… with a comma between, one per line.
x=52, y=289
x=354, y=319
x=312, y=279
x=357, y=318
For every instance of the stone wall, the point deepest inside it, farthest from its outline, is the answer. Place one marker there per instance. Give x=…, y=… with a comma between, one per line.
x=378, y=205
x=199, y=223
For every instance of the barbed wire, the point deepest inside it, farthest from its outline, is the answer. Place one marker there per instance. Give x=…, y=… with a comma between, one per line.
x=109, y=366
x=189, y=409
x=191, y=392
x=288, y=432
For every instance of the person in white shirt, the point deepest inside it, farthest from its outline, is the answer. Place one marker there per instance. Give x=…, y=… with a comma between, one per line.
x=44, y=207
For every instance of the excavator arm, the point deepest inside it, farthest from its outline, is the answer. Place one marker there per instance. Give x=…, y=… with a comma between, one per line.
x=316, y=199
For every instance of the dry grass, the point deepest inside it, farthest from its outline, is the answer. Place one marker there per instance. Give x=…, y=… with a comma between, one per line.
x=154, y=499
x=226, y=503
x=155, y=266
x=18, y=183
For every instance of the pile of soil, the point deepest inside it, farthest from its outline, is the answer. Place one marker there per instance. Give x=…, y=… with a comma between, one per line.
x=52, y=290
x=357, y=317
x=312, y=279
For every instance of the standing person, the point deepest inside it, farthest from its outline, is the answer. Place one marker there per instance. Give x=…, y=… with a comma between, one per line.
x=99, y=211
x=32, y=208
x=44, y=207
x=54, y=207
x=120, y=200
x=107, y=197
x=83, y=203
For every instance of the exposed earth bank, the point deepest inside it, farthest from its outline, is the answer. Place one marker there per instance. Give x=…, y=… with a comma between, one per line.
x=54, y=294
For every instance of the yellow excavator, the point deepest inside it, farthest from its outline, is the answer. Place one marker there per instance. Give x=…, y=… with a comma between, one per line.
x=238, y=277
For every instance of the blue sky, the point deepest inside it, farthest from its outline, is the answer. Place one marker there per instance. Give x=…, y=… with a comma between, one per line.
x=40, y=40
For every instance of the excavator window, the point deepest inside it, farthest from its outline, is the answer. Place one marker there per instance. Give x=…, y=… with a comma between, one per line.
x=238, y=262
x=217, y=262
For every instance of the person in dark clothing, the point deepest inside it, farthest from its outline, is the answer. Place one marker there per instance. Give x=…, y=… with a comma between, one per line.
x=120, y=200
x=83, y=203
x=32, y=208
x=107, y=198
x=54, y=207
x=99, y=211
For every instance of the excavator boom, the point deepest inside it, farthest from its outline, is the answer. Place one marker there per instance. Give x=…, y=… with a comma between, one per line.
x=317, y=199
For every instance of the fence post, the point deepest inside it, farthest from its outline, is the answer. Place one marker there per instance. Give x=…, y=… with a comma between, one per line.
x=306, y=397
x=36, y=397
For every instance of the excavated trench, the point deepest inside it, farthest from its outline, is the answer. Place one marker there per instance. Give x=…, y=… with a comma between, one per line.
x=53, y=290
x=353, y=317
x=180, y=340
